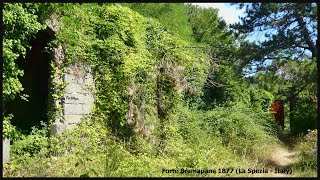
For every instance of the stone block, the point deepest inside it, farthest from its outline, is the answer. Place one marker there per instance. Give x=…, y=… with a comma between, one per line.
x=57, y=127
x=88, y=98
x=72, y=119
x=5, y=150
x=86, y=108
x=73, y=87
x=88, y=80
x=73, y=98
x=87, y=89
x=72, y=109
x=70, y=78
x=80, y=80
x=78, y=98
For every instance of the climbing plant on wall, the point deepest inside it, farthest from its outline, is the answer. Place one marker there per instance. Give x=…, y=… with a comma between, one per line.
x=132, y=58
x=19, y=25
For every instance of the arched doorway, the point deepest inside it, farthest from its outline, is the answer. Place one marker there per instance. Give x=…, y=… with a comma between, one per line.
x=35, y=82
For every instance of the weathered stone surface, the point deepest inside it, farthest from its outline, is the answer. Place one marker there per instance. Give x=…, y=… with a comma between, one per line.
x=88, y=98
x=86, y=109
x=89, y=81
x=6, y=150
x=53, y=23
x=73, y=88
x=87, y=89
x=73, y=98
x=58, y=56
x=72, y=109
x=73, y=119
x=78, y=100
x=70, y=78
x=57, y=127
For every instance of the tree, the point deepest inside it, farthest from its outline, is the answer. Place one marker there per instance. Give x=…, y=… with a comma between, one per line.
x=19, y=25
x=225, y=85
x=296, y=85
x=209, y=29
x=173, y=16
x=287, y=55
x=286, y=26
x=290, y=32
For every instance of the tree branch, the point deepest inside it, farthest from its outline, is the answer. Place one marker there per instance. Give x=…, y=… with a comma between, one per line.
x=305, y=34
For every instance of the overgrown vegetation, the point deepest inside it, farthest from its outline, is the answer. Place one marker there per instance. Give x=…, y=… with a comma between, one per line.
x=194, y=140
x=170, y=93
x=307, y=163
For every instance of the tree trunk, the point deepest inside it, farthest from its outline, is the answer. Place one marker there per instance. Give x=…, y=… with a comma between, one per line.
x=291, y=110
x=161, y=113
x=306, y=35
x=292, y=101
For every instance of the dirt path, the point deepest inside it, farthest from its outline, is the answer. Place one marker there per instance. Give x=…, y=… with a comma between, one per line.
x=278, y=163
x=281, y=159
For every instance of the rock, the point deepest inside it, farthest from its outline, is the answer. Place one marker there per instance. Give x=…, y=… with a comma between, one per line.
x=6, y=151
x=57, y=127
x=78, y=99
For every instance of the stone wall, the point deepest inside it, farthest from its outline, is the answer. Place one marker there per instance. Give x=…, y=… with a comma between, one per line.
x=5, y=150
x=78, y=100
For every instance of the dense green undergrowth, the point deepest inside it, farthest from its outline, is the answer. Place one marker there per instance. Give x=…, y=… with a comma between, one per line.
x=222, y=138
x=149, y=90
x=307, y=164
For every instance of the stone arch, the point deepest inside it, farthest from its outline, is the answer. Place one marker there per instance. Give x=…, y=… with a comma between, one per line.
x=35, y=81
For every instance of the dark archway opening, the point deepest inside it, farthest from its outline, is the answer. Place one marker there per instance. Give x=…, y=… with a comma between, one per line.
x=35, y=81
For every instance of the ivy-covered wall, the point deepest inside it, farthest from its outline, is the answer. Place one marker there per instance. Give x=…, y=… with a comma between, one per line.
x=140, y=71
x=78, y=97
x=72, y=88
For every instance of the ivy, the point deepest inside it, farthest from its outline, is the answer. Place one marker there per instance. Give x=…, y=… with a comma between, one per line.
x=19, y=25
x=125, y=51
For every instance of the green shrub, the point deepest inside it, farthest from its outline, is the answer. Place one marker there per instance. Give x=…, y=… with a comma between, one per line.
x=9, y=131
x=89, y=150
x=304, y=117
x=19, y=24
x=233, y=127
x=307, y=164
x=30, y=145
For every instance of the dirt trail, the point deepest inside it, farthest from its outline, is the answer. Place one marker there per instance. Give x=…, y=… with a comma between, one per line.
x=283, y=157
x=280, y=159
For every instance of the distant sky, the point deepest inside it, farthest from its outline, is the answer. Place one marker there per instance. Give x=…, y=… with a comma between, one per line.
x=226, y=11
x=231, y=15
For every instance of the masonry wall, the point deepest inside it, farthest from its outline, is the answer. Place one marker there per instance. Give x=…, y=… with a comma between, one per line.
x=78, y=100
x=5, y=150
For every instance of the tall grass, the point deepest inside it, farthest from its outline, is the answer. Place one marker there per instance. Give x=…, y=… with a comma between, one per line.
x=307, y=165
x=221, y=138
